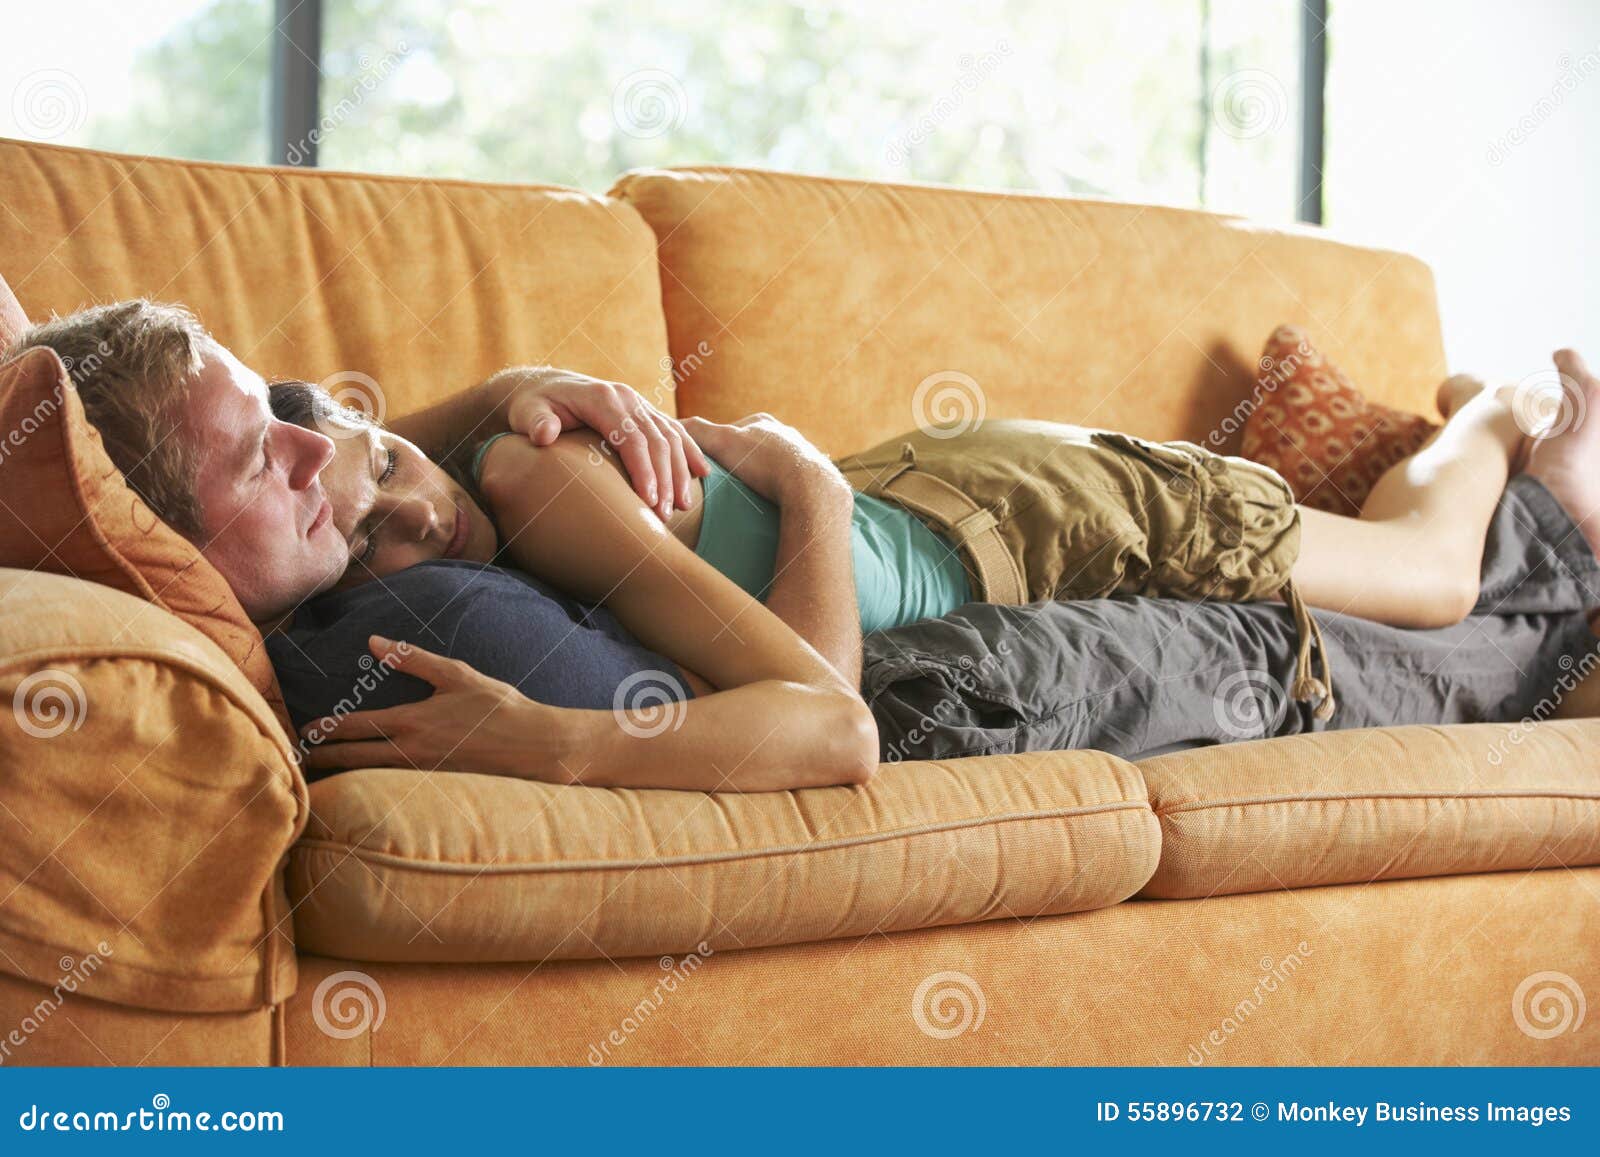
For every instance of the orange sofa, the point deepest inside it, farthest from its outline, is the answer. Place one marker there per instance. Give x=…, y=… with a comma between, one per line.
x=171, y=892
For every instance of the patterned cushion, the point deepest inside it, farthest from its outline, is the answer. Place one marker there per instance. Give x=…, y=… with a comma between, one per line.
x=1316, y=429
x=65, y=509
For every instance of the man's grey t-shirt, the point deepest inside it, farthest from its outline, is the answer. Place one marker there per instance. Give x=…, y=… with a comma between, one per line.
x=502, y=622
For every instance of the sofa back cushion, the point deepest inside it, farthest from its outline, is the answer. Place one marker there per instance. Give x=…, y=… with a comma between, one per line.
x=423, y=287
x=857, y=310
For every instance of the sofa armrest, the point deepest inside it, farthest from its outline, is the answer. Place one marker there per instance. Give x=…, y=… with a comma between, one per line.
x=147, y=800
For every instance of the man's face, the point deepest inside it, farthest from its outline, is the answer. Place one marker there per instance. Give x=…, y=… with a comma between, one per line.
x=265, y=523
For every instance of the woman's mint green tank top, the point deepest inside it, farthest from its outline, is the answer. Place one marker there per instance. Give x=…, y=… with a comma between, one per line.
x=904, y=571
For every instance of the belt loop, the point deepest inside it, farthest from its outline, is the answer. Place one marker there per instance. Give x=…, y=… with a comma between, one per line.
x=974, y=524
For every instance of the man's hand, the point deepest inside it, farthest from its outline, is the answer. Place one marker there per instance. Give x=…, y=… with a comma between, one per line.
x=774, y=460
x=471, y=722
x=660, y=457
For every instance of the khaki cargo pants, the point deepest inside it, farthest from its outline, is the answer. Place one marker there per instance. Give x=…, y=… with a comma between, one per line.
x=1043, y=510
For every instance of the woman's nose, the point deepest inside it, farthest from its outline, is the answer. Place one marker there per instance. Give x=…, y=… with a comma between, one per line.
x=419, y=518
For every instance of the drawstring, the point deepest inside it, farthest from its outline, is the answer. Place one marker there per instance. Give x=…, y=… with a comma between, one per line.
x=1308, y=687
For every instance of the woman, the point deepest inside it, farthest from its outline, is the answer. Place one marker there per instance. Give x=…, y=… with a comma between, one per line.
x=1049, y=510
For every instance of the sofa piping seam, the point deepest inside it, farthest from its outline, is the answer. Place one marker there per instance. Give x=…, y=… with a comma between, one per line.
x=452, y=867
x=1352, y=797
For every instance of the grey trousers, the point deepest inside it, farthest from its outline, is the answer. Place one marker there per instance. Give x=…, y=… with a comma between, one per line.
x=1138, y=676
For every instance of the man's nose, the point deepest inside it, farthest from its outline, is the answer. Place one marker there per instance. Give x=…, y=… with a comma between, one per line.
x=312, y=451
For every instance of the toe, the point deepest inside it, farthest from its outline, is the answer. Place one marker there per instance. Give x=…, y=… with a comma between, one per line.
x=1571, y=363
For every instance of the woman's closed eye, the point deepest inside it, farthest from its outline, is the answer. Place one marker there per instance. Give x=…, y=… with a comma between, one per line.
x=391, y=462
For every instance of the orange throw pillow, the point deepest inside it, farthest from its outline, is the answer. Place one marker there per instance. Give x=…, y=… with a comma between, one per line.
x=1317, y=430
x=65, y=509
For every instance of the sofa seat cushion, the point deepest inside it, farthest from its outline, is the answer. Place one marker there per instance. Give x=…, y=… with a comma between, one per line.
x=1350, y=807
x=447, y=867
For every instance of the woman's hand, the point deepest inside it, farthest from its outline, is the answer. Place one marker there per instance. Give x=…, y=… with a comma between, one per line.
x=659, y=455
x=471, y=723
x=771, y=458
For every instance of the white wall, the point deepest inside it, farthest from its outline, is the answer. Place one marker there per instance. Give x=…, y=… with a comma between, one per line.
x=1469, y=133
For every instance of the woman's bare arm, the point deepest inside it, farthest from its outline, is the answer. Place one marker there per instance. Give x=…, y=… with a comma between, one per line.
x=541, y=401
x=568, y=516
x=813, y=584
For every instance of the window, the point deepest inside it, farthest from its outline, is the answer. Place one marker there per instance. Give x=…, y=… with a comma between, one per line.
x=182, y=78
x=1189, y=102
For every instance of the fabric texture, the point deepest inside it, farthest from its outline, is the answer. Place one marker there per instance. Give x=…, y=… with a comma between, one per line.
x=487, y=868
x=499, y=621
x=1401, y=972
x=855, y=309
x=1136, y=675
x=1317, y=429
x=401, y=290
x=1088, y=513
x=147, y=797
x=65, y=508
x=1351, y=807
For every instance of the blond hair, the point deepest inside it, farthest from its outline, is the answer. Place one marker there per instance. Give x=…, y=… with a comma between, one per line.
x=132, y=362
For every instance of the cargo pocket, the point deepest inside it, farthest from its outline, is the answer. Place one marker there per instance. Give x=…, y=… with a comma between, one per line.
x=1175, y=486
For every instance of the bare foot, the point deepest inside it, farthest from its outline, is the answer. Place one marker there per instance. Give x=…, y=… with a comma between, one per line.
x=1565, y=442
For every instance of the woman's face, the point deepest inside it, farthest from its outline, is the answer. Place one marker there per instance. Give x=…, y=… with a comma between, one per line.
x=396, y=508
